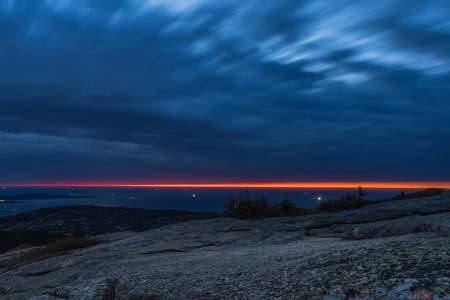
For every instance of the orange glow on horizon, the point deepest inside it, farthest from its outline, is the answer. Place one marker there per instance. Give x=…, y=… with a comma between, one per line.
x=289, y=185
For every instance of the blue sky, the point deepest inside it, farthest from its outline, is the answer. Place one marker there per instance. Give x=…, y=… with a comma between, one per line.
x=172, y=90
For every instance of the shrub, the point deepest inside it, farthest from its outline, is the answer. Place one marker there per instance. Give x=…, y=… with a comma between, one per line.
x=345, y=202
x=247, y=205
x=286, y=205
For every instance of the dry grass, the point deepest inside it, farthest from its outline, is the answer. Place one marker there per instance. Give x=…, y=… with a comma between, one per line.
x=20, y=247
x=57, y=248
x=16, y=238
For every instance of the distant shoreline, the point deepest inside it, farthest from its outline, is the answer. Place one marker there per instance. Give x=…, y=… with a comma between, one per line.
x=39, y=196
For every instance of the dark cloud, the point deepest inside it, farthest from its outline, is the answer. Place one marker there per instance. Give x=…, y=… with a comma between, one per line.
x=153, y=90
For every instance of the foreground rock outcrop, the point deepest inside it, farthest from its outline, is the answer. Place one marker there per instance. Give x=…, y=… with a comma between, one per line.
x=392, y=250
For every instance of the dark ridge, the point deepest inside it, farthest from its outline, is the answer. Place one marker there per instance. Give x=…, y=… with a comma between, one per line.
x=96, y=220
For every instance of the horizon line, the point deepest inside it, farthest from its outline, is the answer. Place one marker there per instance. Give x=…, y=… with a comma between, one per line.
x=292, y=185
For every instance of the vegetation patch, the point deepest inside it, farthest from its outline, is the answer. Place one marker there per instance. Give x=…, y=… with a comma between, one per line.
x=258, y=207
x=57, y=248
x=110, y=291
x=16, y=240
x=346, y=201
x=420, y=194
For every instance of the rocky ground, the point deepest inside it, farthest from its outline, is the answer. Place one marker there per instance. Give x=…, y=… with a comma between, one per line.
x=392, y=250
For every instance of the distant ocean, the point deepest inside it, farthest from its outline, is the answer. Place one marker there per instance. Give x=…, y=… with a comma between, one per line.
x=199, y=199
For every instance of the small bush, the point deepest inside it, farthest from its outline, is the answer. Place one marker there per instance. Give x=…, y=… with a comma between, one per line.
x=110, y=291
x=286, y=205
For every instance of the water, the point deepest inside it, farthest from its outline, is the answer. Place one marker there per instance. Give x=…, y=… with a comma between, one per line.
x=168, y=198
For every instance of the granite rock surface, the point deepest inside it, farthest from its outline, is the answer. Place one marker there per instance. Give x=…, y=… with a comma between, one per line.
x=392, y=250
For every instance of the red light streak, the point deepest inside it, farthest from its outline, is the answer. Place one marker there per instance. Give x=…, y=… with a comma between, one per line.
x=265, y=185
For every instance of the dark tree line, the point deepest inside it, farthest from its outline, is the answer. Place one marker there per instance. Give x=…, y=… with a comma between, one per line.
x=258, y=207
x=346, y=201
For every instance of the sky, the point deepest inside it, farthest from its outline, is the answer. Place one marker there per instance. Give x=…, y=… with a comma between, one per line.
x=152, y=91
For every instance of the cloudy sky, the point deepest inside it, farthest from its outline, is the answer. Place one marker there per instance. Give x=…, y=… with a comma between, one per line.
x=224, y=91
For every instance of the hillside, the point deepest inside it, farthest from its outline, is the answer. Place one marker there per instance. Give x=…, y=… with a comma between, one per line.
x=392, y=250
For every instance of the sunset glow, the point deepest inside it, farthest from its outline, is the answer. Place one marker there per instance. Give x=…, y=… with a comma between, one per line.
x=289, y=185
